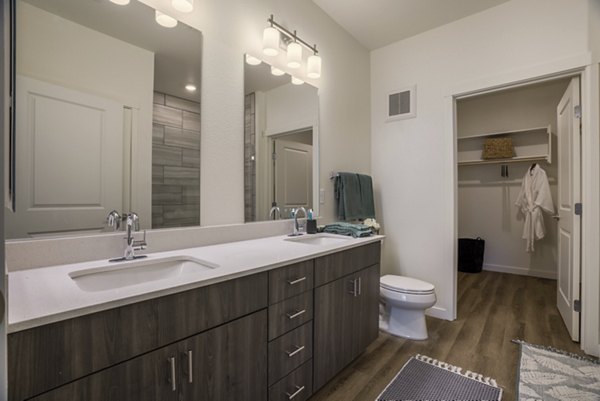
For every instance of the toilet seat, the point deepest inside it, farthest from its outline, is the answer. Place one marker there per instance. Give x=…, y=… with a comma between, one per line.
x=406, y=285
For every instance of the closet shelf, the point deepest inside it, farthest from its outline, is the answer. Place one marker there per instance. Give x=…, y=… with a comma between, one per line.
x=521, y=159
x=530, y=145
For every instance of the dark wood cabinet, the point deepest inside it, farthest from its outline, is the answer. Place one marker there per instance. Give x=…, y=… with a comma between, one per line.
x=346, y=321
x=220, y=364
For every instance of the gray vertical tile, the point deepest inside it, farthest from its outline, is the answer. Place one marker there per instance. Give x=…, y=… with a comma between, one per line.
x=159, y=98
x=191, y=121
x=182, y=138
x=182, y=176
x=158, y=133
x=183, y=104
x=168, y=116
x=191, y=158
x=166, y=155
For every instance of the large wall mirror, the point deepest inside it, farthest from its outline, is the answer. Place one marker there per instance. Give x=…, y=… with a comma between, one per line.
x=280, y=144
x=104, y=120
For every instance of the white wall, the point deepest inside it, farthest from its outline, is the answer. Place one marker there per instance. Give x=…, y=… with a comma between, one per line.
x=486, y=201
x=290, y=108
x=412, y=160
x=234, y=27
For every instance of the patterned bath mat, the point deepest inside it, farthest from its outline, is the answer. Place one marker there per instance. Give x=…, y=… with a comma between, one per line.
x=549, y=374
x=424, y=378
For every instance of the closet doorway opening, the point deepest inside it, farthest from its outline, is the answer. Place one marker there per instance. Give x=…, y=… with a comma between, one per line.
x=532, y=139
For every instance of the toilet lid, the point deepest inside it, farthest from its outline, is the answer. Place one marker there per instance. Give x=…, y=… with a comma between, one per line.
x=406, y=284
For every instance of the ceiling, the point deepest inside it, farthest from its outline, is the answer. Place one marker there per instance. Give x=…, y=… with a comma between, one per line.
x=377, y=23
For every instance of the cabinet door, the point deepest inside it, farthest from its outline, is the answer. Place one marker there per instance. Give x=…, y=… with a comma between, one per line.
x=333, y=329
x=367, y=309
x=146, y=378
x=227, y=363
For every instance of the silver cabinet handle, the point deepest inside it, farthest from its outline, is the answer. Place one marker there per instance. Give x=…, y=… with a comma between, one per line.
x=294, y=352
x=190, y=367
x=353, y=291
x=296, y=314
x=359, y=285
x=173, y=374
x=298, y=391
x=296, y=281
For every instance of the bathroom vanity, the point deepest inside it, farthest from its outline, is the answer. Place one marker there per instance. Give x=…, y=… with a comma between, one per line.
x=278, y=330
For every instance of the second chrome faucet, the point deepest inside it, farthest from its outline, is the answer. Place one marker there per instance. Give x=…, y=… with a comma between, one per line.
x=132, y=224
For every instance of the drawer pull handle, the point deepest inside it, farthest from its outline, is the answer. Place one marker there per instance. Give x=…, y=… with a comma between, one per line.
x=298, y=391
x=294, y=352
x=295, y=315
x=172, y=375
x=359, y=285
x=298, y=280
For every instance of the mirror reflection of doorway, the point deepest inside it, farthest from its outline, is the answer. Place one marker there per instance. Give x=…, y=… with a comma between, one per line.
x=292, y=170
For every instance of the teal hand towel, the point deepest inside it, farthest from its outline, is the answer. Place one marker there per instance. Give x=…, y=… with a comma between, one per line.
x=354, y=196
x=366, y=196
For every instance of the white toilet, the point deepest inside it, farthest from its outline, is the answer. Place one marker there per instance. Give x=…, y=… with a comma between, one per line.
x=404, y=302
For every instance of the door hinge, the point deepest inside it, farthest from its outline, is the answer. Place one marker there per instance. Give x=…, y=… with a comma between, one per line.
x=274, y=156
x=577, y=305
x=578, y=209
x=577, y=111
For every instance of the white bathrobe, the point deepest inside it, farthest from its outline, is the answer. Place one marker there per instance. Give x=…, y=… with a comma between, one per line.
x=534, y=198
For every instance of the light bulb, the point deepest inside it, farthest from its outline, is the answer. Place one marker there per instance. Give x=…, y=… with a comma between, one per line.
x=185, y=6
x=297, y=81
x=271, y=41
x=252, y=60
x=165, y=20
x=294, y=55
x=120, y=2
x=276, y=71
x=313, y=67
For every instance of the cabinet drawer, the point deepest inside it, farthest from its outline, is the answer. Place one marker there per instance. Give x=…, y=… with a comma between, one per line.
x=334, y=266
x=291, y=280
x=48, y=356
x=289, y=314
x=296, y=386
x=290, y=351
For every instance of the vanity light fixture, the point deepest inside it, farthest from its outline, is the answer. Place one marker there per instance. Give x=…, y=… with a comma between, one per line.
x=271, y=41
x=276, y=71
x=120, y=2
x=165, y=20
x=184, y=6
x=294, y=48
x=252, y=60
x=294, y=55
x=297, y=81
x=190, y=88
x=313, y=66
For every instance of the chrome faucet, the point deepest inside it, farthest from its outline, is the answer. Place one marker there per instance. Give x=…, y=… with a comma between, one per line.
x=275, y=212
x=132, y=224
x=297, y=228
x=113, y=220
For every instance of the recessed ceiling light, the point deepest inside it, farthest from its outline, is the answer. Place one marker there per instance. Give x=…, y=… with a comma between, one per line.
x=165, y=20
x=297, y=81
x=252, y=60
x=185, y=6
x=190, y=88
x=120, y=2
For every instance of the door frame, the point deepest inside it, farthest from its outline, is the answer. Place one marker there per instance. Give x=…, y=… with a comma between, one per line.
x=589, y=74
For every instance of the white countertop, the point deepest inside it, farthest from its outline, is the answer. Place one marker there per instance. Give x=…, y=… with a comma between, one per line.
x=49, y=294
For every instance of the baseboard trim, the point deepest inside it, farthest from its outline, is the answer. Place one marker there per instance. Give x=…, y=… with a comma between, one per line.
x=521, y=271
x=439, y=313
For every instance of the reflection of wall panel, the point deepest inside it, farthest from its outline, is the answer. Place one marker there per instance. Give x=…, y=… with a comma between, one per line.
x=175, y=162
x=249, y=163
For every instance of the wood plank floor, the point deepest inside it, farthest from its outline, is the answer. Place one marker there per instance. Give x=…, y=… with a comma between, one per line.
x=493, y=309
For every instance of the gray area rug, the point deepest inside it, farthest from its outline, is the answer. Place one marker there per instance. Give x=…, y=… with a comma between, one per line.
x=549, y=374
x=424, y=378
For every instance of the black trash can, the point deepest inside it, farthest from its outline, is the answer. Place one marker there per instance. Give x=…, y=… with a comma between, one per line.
x=470, y=254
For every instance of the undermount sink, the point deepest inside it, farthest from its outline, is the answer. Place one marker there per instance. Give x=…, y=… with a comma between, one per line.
x=125, y=274
x=319, y=239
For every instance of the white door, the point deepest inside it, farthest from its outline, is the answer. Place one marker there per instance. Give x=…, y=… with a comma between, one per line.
x=569, y=190
x=293, y=175
x=69, y=160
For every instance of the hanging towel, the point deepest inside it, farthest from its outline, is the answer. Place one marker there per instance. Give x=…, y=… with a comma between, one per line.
x=354, y=196
x=534, y=198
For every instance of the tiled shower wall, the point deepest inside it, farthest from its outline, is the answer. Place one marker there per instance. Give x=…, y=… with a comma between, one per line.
x=249, y=163
x=175, y=162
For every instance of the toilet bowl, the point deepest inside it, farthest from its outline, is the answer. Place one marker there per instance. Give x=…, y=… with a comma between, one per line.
x=404, y=301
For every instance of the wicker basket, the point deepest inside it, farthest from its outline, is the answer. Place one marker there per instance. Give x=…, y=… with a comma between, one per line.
x=498, y=148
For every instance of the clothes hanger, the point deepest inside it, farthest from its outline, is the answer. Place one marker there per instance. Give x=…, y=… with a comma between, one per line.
x=532, y=167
